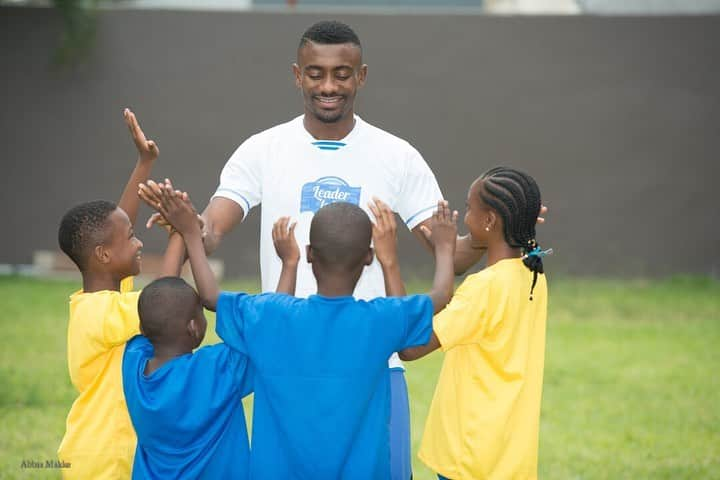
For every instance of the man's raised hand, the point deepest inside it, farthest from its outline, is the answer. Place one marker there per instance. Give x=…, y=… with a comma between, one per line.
x=442, y=233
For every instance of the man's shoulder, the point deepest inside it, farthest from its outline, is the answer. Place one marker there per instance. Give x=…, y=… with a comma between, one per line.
x=280, y=131
x=384, y=137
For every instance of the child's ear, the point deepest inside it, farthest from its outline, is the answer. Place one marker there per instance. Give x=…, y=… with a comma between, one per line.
x=309, y=253
x=492, y=220
x=369, y=257
x=192, y=328
x=101, y=254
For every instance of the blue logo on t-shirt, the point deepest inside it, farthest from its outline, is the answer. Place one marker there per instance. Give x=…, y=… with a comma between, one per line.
x=326, y=190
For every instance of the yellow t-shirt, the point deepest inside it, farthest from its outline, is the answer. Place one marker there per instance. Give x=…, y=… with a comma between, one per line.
x=485, y=415
x=99, y=441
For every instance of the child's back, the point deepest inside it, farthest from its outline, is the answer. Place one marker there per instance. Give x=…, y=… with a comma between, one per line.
x=484, y=422
x=188, y=415
x=186, y=407
x=321, y=378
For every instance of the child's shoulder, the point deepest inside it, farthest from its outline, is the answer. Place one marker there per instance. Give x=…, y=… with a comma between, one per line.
x=231, y=303
x=393, y=303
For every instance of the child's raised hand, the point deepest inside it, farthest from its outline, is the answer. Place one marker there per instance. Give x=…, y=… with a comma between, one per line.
x=147, y=149
x=284, y=240
x=150, y=194
x=176, y=208
x=442, y=233
x=384, y=232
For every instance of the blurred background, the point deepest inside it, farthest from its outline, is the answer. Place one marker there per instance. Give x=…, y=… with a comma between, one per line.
x=613, y=106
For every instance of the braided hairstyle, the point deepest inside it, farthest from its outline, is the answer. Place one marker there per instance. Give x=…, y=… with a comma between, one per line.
x=515, y=196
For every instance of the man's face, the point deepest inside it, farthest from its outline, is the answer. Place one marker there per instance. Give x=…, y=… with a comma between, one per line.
x=125, y=248
x=329, y=77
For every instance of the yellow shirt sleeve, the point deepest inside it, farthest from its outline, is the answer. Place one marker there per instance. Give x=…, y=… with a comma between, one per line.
x=464, y=319
x=124, y=322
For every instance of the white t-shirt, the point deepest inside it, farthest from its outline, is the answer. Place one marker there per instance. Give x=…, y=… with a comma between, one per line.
x=293, y=174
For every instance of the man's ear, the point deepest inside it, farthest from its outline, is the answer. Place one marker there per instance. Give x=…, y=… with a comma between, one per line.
x=369, y=257
x=102, y=255
x=309, y=253
x=297, y=73
x=362, y=75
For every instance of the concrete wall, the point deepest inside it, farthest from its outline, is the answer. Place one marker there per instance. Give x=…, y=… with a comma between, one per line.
x=617, y=118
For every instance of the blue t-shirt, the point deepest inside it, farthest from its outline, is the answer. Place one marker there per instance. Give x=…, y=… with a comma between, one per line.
x=322, y=385
x=188, y=414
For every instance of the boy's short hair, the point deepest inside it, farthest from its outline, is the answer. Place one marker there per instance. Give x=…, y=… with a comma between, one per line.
x=82, y=228
x=329, y=32
x=340, y=235
x=165, y=305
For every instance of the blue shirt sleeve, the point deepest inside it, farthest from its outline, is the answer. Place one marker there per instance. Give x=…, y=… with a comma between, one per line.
x=230, y=315
x=231, y=361
x=417, y=310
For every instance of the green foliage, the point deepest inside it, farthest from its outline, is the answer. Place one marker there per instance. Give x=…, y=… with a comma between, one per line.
x=79, y=29
x=630, y=392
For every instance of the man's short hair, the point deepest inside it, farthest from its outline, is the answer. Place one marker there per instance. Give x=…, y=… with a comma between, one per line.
x=84, y=227
x=330, y=32
x=165, y=306
x=340, y=235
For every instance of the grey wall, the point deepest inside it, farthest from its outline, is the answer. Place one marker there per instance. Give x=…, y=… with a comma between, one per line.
x=617, y=118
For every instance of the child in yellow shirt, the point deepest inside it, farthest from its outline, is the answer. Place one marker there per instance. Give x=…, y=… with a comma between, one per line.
x=98, y=236
x=484, y=417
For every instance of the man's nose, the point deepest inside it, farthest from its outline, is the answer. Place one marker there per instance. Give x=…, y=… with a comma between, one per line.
x=328, y=85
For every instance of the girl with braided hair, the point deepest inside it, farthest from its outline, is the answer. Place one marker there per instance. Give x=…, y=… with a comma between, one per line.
x=485, y=415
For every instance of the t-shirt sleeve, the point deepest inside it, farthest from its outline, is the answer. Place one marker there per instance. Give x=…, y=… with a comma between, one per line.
x=121, y=322
x=416, y=311
x=230, y=313
x=419, y=191
x=241, y=178
x=236, y=363
x=464, y=320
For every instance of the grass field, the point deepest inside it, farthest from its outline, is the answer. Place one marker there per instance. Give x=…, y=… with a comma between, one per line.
x=632, y=389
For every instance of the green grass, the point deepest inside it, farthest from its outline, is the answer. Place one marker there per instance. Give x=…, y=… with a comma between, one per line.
x=631, y=390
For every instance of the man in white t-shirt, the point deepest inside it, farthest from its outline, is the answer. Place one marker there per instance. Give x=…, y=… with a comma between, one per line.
x=326, y=155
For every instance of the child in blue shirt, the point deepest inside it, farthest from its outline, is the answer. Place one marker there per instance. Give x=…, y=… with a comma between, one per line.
x=322, y=399
x=186, y=407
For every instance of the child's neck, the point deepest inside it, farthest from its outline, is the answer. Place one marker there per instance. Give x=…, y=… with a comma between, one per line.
x=163, y=354
x=500, y=250
x=336, y=284
x=97, y=281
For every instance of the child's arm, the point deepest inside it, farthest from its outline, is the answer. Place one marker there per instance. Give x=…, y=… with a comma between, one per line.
x=287, y=249
x=174, y=257
x=413, y=353
x=175, y=206
x=441, y=234
x=147, y=154
x=385, y=240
